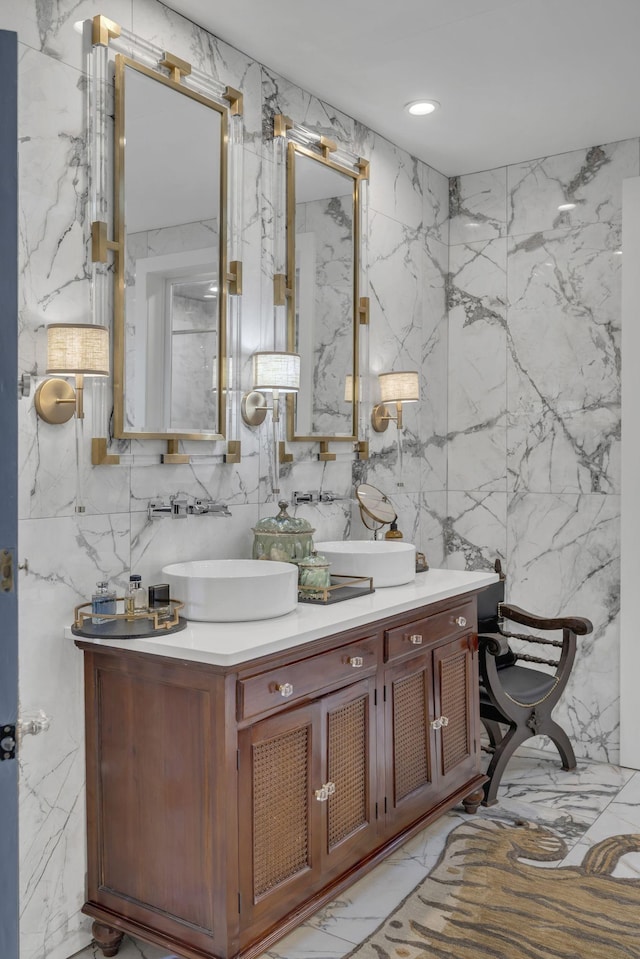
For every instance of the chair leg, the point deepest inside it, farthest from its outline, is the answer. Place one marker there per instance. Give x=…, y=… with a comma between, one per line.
x=493, y=731
x=510, y=742
x=560, y=740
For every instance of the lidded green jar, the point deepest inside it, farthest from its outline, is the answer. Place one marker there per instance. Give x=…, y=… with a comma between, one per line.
x=283, y=537
x=314, y=573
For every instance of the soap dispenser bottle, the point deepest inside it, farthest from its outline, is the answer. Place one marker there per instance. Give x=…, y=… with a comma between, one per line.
x=135, y=600
x=393, y=532
x=103, y=601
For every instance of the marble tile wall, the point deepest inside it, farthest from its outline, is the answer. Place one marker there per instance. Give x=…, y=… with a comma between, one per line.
x=66, y=552
x=534, y=401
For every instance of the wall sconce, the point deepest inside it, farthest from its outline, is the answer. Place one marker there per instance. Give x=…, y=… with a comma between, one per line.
x=73, y=349
x=395, y=388
x=275, y=373
x=78, y=350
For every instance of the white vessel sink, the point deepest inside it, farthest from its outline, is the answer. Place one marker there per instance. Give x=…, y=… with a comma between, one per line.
x=233, y=590
x=389, y=563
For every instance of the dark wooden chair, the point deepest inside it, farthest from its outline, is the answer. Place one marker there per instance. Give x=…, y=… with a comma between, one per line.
x=518, y=697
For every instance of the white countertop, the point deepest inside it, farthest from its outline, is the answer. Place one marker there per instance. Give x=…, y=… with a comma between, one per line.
x=227, y=644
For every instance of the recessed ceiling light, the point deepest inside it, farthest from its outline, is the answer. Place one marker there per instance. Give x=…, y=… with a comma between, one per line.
x=421, y=108
x=617, y=252
x=566, y=206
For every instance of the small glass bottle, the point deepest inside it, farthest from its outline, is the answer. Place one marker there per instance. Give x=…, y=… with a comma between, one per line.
x=102, y=601
x=135, y=600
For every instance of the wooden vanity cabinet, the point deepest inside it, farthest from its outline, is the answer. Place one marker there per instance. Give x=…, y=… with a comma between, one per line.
x=227, y=804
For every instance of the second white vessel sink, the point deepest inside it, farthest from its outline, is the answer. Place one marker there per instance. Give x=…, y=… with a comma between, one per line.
x=389, y=563
x=233, y=590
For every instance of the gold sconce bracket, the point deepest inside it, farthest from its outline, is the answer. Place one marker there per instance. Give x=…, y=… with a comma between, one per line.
x=234, y=278
x=234, y=452
x=283, y=456
x=100, y=243
x=235, y=101
x=281, y=124
x=55, y=401
x=103, y=30
x=380, y=418
x=363, y=310
x=324, y=455
x=172, y=455
x=280, y=289
x=253, y=408
x=362, y=449
x=99, y=454
x=177, y=68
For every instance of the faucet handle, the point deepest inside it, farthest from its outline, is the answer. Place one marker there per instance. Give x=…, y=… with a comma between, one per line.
x=179, y=505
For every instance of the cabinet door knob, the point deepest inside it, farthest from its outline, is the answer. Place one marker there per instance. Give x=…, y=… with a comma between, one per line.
x=461, y=621
x=444, y=721
x=326, y=790
x=356, y=661
x=285, y=689
x=415, y=639
x=436, y=723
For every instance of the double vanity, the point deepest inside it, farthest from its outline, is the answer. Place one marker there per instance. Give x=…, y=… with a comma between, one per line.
x=240, y=775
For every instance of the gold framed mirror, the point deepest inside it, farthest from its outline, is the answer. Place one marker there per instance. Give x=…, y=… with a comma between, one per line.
x=324, y=268
x=165, y=145
x=170, y=222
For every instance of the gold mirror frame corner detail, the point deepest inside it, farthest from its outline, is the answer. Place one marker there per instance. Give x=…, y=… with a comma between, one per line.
x=103, y=29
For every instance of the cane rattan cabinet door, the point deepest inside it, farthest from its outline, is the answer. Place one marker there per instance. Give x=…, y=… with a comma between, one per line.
x=279, y=842
x=410, y=738
x=456, y=705
x=348, y=812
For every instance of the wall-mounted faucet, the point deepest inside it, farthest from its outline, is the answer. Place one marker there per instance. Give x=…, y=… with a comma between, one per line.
x=180, y=506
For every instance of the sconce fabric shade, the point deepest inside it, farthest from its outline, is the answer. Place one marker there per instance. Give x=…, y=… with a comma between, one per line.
x=80, y=348
x=276, y=371
x=399, y=387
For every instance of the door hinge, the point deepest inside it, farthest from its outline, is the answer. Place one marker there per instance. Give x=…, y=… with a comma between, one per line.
x=384, y=694
x=7, y=742
x=376, y=810
x=385, y=805
x=237, y=759
x=239, y=902
x=375, y=697
x=6, y=571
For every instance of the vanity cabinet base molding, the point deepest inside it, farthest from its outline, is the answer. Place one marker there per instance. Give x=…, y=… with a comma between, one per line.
x=225, y=805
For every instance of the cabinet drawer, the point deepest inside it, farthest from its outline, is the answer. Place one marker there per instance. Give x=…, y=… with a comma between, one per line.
x=413, y=637
x=286, y=684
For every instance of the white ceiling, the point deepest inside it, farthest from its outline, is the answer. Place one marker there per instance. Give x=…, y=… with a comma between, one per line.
x=517, y=79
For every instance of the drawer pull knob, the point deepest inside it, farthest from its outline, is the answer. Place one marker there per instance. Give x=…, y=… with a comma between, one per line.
x=444, y=721
x=285, y=689
x=461, y=621
x=326, y=790
x=415, y=639
x=356, y=661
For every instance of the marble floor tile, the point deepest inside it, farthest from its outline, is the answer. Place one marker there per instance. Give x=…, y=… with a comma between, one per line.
x=585, y=807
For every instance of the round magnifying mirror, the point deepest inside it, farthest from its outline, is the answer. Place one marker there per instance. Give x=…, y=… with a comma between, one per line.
x=374, y=505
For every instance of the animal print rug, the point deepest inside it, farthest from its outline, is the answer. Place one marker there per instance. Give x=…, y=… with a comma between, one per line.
x=486, y=899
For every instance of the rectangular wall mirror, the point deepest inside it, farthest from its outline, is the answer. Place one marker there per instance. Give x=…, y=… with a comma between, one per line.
x=323, y=272
x=170, y=221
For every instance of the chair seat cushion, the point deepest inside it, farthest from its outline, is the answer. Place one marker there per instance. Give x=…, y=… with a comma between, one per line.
x=524, y=685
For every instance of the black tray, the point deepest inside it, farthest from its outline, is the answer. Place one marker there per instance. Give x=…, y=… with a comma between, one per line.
x=343, y=587
x=125, y=629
